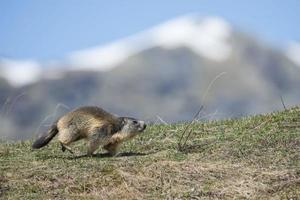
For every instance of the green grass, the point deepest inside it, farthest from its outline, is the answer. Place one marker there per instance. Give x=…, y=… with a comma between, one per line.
x=251, y=158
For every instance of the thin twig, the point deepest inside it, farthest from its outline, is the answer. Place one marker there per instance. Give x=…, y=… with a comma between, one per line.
x=180, y=145
x=3, y=107
x=281, y=98
x=51, y=116
x=160, y=119
x=9, y=103
x=186, y=128
x=211, y=84
x=14, y=101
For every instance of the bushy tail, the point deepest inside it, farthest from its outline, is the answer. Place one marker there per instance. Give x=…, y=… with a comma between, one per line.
x=45, y=139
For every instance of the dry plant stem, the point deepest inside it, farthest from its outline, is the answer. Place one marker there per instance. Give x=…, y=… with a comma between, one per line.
x=186, y=128
x=50, y=116
x=14, y=101
x=161, y=120
x=283, y=104
x=3, y=108
x=180, y=145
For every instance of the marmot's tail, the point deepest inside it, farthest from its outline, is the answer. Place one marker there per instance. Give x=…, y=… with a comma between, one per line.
x=45, y=139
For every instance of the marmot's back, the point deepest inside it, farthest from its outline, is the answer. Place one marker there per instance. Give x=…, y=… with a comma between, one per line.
x=86, y=117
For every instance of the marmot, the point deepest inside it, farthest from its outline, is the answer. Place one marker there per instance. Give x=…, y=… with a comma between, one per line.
x=95, y=125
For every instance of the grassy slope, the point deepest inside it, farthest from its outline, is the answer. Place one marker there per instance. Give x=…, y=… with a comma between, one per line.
x=256, y=157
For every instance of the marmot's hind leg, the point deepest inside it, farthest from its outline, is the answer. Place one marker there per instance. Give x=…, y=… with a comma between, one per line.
x=64, y=148
x=66, y=137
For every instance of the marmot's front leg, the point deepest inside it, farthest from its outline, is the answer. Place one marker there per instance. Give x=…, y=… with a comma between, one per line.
x=112, y=147
x=92, y=147
x=94, y=139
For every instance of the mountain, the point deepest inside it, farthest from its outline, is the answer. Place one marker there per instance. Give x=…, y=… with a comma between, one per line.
x=162, y=74
x=293, y=52
x=206, y=36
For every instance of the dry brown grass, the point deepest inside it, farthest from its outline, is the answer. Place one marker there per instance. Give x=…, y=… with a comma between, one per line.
x=252, y=158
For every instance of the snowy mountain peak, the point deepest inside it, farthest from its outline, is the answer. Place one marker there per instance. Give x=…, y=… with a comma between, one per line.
x=207, y=36
x=20, y=72
x=293, y=52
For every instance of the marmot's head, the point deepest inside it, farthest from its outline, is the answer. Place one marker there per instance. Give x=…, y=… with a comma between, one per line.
x=131, y=126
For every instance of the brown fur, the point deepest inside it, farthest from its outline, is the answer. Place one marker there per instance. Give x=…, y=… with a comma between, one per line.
x=115, y=141
x=95, y=125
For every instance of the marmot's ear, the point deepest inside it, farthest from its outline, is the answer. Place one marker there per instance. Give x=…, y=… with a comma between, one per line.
x=123, y=121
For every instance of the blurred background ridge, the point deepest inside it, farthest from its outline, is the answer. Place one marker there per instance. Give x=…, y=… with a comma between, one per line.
x=159, y=73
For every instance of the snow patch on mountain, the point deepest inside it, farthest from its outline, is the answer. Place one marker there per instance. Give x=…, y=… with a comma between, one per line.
x=206, y=36
x=293, y=52
x=20, y=72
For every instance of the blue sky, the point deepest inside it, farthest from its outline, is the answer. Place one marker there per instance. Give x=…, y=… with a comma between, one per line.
x=50, y=29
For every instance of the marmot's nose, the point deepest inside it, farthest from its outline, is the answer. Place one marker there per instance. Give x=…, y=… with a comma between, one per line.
x=142, y=125
x=145, y=126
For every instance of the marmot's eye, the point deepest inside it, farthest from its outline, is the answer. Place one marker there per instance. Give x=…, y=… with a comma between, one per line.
x=135, y=122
